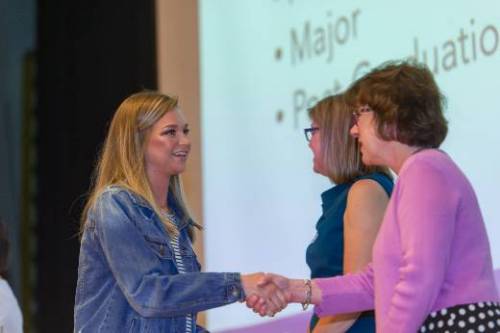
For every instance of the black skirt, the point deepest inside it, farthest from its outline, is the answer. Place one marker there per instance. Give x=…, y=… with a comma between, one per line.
x=468, y=318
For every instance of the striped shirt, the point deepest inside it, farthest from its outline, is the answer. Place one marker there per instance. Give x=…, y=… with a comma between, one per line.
x=180, y=264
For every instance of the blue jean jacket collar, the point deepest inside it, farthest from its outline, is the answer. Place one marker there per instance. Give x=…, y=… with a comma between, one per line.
x=141, y=202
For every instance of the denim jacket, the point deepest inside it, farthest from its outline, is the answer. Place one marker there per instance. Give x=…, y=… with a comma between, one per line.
x=128, y=280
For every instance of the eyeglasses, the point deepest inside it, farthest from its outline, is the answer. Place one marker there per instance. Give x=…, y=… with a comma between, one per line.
x=308, y=132
x=356, y=114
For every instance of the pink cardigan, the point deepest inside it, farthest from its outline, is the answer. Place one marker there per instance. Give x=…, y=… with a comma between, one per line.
x=431, y=252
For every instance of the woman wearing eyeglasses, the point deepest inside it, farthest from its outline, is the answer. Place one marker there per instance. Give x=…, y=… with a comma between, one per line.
x=352, y=209
x=432, y=268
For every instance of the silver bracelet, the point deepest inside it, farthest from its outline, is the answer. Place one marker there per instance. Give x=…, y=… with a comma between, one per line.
x=307, y=301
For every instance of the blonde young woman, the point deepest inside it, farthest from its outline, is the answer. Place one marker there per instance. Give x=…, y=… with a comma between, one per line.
x=352, y=209
x=137, y=270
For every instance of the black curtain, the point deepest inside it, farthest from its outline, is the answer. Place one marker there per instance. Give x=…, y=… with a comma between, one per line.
x=90, y=56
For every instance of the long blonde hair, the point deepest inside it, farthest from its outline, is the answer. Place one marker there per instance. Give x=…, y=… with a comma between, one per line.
x=121, y=160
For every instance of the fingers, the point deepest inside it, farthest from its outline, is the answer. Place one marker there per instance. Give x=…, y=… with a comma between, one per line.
x=265, y=306
x=251, y=300
x=276, y=299
x=281, y=298
x=257, y=304
x=262, y=307
x=267, y=294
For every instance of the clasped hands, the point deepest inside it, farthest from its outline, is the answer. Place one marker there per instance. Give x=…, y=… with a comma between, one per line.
x=267, y=294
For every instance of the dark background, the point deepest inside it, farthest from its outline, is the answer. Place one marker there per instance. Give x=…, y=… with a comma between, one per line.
x=87, y=57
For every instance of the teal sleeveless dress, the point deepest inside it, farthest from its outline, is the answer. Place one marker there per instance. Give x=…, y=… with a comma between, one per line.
x=325, y=255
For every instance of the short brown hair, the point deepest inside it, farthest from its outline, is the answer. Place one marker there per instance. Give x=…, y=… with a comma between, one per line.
x=339, y=150
x=407, y=103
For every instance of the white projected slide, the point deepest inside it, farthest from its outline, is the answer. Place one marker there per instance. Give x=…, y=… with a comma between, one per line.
x=264, y=62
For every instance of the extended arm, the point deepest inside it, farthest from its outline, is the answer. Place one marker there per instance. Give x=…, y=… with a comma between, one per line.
x=147, y=285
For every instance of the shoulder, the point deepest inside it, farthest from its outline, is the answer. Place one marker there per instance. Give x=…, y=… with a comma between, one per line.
x=116, y=203
x=366, y=203
x=115, y=193
x=366, y=197
x=431, y=167
x=430, y=160
x=7, y=298
x=385, y=180
x=118, y=196
x=433, y=174
x=366, y=188
x=4, y=288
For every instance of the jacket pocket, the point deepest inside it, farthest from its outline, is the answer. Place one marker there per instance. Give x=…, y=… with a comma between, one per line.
x=160, y=247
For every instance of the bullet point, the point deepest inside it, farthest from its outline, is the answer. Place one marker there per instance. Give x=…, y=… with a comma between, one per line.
x=279, y=116
x=278, y=53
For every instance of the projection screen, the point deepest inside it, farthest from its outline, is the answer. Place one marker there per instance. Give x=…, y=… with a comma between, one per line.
x=263, y=63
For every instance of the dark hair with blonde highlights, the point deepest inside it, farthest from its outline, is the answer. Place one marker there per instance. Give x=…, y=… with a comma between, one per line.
x=339, y=150
x=407, y=103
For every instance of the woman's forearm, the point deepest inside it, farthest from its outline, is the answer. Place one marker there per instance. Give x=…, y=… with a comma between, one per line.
x=299, y=289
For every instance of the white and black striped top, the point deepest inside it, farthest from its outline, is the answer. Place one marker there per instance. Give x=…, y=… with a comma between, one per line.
x=180, y=265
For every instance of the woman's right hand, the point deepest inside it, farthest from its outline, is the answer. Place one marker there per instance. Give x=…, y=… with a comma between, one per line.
x=295, y=290
x=263, y=295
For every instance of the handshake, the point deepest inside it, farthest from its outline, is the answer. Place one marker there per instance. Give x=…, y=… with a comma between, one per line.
x=268, y=294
